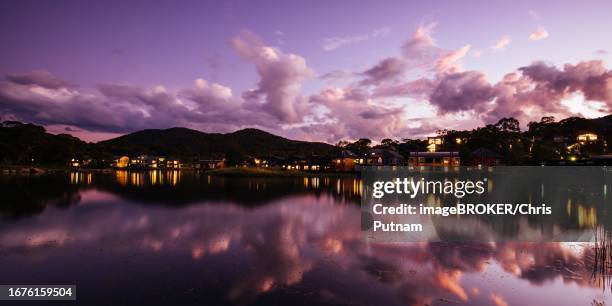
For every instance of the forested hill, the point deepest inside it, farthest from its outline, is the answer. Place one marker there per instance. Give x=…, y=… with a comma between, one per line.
x=188, y=142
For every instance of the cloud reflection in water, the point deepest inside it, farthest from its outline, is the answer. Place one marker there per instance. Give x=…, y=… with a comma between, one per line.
x=306, y=244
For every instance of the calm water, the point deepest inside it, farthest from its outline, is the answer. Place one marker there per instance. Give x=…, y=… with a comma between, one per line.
x=163, y=238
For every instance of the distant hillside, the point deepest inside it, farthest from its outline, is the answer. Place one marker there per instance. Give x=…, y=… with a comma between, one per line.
x=188, y=142
x=604, y=123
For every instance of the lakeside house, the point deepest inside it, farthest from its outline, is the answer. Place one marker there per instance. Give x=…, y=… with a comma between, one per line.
x=306, y=163
x=441, y=151
x=75, y=163
x=173, y=164
x=345, y=160
x=434, y=159
x=384, y=157
x=434, y=143
x=145, y=162
x=121, y=162
x=205, y=164
x=586, y=137
x=587, y=144
x=148, y=162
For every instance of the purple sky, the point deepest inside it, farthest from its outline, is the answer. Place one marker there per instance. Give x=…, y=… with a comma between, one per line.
x=310, y=70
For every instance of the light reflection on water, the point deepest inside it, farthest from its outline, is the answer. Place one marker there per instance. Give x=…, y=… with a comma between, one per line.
x=156, y=237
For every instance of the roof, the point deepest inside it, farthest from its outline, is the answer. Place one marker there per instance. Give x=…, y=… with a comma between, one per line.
x=386, y=153
x=346, y=153
x=434, y=154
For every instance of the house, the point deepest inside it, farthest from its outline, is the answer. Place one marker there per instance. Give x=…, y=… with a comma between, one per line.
x=384, y=157
x=257, y=162
x=154, y=162
x=315, y=163
x=586, y=137
x=121, y=162
x=151, y=162
x=173, y=164
x=345, y=160
x=75, y=163
x=587, y=144
x=205, y=164
x=294, y=162
x=80, y=162
x=310, y=163
x=147, y=162
x=434, y=143
x=485, y=157
x=434, y=159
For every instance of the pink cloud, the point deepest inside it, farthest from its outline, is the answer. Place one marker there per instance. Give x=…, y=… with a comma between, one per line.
x=449, y=61
x=422, y=75
x=461, y=91
x=420, y=50
x=280, y=77
x=539, y=34
x=501, y=44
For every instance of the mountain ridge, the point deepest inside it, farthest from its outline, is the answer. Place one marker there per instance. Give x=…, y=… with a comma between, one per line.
x=182, y=141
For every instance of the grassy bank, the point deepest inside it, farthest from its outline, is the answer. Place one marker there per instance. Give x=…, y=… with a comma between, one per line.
x=27, y=169
x=229, y=172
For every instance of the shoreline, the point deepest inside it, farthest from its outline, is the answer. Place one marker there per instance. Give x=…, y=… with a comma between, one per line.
x=226, y=172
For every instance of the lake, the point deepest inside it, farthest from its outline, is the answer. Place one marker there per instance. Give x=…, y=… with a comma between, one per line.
x=182, y=238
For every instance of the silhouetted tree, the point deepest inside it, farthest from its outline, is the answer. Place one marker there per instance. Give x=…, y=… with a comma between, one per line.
x=360, y=146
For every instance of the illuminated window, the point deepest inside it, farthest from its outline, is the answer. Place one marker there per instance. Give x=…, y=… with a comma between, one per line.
x=435, y=140
x=431, y=148
x=587, y=137
x=123, y=162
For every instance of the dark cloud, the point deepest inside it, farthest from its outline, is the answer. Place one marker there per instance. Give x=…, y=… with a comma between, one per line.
x=591, y=78
x=525, y=94
x=463, y=91
x=40, y=78
x=69, y=107
x=541, y=88
x=388, y=69
x=121, y=108
x=43, y=98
